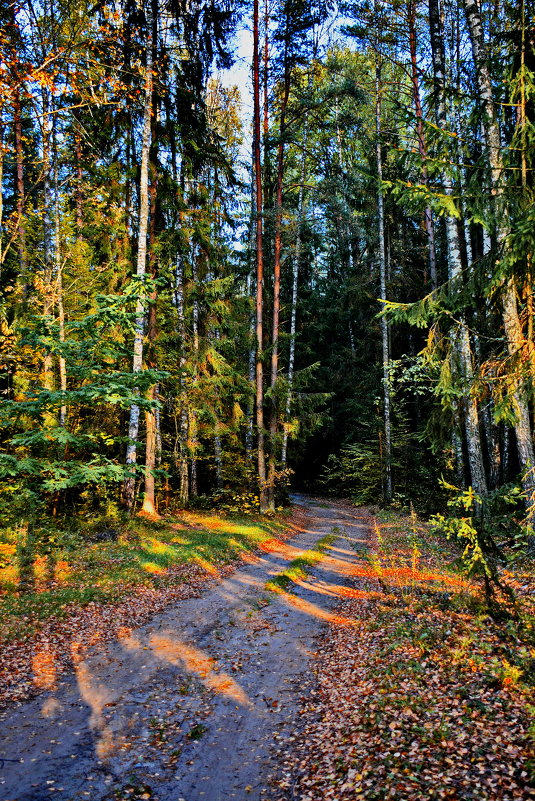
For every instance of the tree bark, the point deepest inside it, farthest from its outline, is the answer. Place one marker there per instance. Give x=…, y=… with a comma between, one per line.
x=382, y=279
x=19, y=156
x=460, y=340
x=513, y=328
x=183, y=431
x=151, y=429
x=259, y=266
x=59, y=274
x=277, y=251
x=293, y=317
x=428, y=213
x=137, y=362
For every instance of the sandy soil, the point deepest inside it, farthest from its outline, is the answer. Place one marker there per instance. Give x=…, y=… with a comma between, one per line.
x=189, y=706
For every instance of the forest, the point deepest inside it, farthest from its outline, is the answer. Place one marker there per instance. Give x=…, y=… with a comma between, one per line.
x=254, y=252
x=332, y=292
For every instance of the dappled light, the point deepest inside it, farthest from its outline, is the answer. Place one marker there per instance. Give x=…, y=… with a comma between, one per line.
x=197, y=662
x=44, y=669
x=312, y=609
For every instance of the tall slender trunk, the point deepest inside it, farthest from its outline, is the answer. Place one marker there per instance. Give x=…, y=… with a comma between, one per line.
x=59, y=273
x=277, y=252
x=48, y=247
x=19, y=156
x=137, y=362
x=192, y=418
x=79, y=182
x=293, y=317
x=461, y=339
x=149, y=497
x=382, y=278
x=249, y=432
x=151, y=429
x=428, y=213
x=183, y=432
x=513, y=328
x=259, y=266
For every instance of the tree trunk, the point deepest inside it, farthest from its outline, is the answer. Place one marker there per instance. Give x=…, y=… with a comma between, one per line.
x=277, y=250
x=382, y=277
x=79, y=182
x=460, y=340
x=259, y=266
x=428, y=214
x=183, y=432
x=19, y=156
x=293, y=318
x=249, y=432
x=137, y=363
x=192, y=419
x=48, y=247
x=513, y=329
x=59, y=275
x=151, y=429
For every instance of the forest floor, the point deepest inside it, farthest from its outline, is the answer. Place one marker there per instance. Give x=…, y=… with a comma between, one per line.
x=426, y=696
x=190, y=704
x=348, y=659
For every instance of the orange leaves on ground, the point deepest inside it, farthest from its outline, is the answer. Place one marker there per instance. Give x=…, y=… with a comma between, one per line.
x=30, y=666
x=418, y=700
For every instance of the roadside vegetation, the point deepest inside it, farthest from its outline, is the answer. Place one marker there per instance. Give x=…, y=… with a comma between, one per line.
x=427, y=695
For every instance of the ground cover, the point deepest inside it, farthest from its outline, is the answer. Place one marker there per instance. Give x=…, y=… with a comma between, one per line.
x=426, y=696
x=85, y=592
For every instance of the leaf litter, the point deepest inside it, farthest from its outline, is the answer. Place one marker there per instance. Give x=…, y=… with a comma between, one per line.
x=424, y=698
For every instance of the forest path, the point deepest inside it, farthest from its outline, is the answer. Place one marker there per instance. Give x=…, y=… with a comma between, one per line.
x=188, y=706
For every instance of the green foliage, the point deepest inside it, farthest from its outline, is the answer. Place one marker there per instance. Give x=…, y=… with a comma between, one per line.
x=490, y=534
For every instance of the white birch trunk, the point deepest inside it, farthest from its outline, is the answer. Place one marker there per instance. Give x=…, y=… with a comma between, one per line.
x=293, y=317
x=382, y=278
x=137, y=362
x=59, y=276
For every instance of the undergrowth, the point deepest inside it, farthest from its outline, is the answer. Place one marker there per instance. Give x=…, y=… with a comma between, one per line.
x=69, y=569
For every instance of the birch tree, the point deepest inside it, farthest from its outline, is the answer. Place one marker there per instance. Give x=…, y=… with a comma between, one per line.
x=141, y=267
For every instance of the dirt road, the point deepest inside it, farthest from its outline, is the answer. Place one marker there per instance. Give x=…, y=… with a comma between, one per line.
x=188, y=706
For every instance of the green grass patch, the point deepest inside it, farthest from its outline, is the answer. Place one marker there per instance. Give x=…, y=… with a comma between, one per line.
x=300, y=566
x=145, y=553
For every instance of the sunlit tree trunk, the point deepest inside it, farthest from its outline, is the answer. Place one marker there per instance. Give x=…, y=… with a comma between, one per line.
x=58, y=268
x=137, y=363
x=19, y=155
x=259, y=265
x=183, y=427
x=49, y=290
x=192, y=416
x=249, y=432
x=277, y=252
x=151, y=429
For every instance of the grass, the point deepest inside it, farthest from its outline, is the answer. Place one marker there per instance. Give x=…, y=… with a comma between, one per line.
x=300, y=566
x=146, y=553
